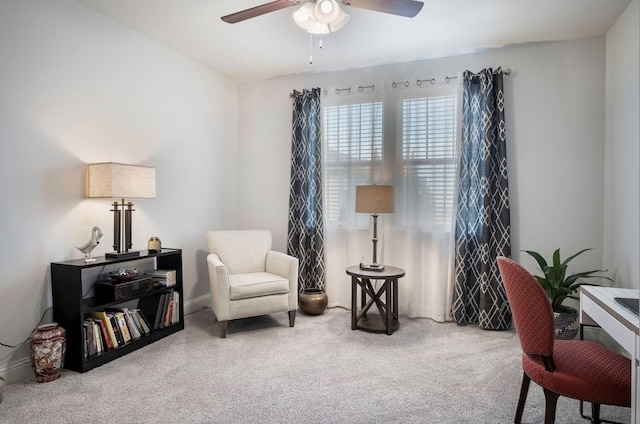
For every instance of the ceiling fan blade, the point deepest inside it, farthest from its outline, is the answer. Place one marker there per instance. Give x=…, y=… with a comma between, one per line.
x=407, y=8
x=259, y=10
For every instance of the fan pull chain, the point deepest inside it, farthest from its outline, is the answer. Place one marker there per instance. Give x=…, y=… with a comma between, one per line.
x=320, y=45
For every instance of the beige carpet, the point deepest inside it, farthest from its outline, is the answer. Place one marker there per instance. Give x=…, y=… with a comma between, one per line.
x=320, y=371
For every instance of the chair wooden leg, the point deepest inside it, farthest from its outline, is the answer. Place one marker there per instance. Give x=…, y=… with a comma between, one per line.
x=223, y=329
x=292, y=318
x=595, y=413
x=524, y=390
x=551, y=400
x=595, y=418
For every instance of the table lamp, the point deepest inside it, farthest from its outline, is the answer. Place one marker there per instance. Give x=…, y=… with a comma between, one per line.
x=374, y=199
x=120, y=181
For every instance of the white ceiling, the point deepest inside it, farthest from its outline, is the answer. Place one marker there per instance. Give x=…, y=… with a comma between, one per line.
x=272, y=45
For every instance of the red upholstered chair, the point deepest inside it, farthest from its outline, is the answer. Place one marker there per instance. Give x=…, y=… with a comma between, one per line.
x=577, y=369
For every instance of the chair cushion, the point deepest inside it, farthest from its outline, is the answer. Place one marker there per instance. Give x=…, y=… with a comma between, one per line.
x=256, y=284
x=584, y=370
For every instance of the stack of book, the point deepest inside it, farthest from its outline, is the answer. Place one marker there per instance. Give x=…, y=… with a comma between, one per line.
x=164, y=277
x=163, y=309
x=112, y=328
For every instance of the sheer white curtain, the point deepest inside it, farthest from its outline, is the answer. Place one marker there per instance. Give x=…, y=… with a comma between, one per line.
x=407, y=138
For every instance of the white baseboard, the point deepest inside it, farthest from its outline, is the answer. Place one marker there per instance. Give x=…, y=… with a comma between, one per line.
x=201, y=302
x=21, y=368
x=16, y=370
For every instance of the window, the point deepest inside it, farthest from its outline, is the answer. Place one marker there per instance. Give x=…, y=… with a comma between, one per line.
x=352, y=136
x=422, y=156
x=426, y=163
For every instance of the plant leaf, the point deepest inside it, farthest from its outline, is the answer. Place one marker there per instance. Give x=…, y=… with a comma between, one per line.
x=541, y=261
x=556, y=258
x=570, y=258
x=587, y=274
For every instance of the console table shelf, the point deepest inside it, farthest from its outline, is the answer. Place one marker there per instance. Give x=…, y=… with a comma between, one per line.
x=71, y=286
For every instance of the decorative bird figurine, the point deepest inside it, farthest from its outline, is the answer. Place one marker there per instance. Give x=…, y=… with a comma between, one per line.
x=96, y=235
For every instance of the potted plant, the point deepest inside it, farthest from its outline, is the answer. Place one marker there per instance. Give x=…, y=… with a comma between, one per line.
x=560, y=286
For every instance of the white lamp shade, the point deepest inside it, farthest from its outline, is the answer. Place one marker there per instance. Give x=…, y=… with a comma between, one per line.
x=326, y=11
x=374, y=199
x=339, y=22
x=319, y=28
x=303, y=17
x=120, y=181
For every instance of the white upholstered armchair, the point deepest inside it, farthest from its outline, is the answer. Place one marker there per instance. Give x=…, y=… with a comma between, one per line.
x=248, y=278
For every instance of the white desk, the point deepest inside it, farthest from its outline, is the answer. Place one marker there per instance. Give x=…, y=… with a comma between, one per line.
x=598, y=307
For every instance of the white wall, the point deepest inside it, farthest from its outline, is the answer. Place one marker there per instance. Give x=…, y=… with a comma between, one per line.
x=77, y=88
x=555, y=133
x=622, y=156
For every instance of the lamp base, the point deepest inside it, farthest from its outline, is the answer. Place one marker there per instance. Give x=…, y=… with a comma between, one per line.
x=371, y=267
x=122, y=255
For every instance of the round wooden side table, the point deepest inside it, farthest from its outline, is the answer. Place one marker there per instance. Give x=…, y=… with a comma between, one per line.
x=387, y=322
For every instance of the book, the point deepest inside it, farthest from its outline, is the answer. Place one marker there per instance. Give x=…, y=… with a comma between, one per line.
x=85, y=339
x=166, y=277
x=97, y=337
x=103, y=316
x=105, y=339
x=160, y=315
x=125, y=336
x=136, y=322
x=143, y=320
x=116, y=328
x=85, y=347
x=122, y=323
x=169, y=311
x=176, y=308
x=161, y=282
x=133, y=330
x=165, y=307
x=92, y=349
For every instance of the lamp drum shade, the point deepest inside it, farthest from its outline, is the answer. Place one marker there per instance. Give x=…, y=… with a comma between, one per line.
x=116, y=180
x=374, y=199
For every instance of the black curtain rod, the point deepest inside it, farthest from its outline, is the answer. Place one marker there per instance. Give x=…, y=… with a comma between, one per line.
x=506, y=72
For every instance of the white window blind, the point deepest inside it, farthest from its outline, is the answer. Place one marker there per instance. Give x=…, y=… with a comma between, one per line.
x=353, y=140
x=426, y=163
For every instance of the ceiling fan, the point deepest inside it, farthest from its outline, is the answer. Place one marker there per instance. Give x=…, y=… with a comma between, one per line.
x=406, y=8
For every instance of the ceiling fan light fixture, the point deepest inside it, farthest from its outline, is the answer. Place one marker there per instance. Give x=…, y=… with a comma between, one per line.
x=326, y=7
x=339, y=22
x=303, y=15
x=320, y=28
x=326, y=11
x=310, y=17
